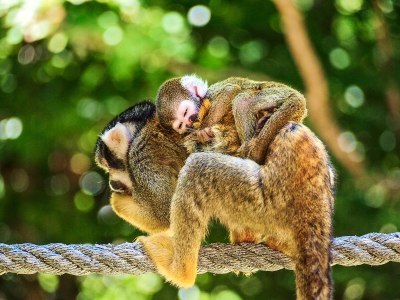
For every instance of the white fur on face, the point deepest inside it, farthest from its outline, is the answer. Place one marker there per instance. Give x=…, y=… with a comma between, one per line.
x=196, y=86
x=118, y=139
x=181, y=121
x=123, y=177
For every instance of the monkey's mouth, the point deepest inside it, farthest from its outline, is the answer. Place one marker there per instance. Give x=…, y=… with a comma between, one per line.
x=194, y=118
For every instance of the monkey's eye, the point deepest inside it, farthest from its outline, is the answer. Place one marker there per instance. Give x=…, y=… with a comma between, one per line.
x=118, y=187
x=180, y=125
x=185, y=112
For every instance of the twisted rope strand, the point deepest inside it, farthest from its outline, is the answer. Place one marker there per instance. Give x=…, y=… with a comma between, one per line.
x=129, y=258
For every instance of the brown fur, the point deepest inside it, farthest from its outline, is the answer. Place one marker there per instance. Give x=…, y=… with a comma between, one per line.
x=288, y=201
x=237, y=104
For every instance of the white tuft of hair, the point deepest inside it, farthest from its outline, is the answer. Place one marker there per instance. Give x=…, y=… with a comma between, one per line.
x=195, y=85
x=118, y=139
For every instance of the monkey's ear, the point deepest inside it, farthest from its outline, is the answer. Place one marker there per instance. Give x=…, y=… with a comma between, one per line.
x=196, y=86
x=117, y=139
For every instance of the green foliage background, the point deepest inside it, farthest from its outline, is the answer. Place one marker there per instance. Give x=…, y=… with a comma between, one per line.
x=68, y=67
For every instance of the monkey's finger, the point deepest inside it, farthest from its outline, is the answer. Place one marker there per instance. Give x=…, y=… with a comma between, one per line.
x=208, y=131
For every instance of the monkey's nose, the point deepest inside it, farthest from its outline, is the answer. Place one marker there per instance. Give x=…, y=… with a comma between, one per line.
x=193, y=118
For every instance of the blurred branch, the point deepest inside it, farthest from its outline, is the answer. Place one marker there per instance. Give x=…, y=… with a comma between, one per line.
x=386, y=56
x=316, y=87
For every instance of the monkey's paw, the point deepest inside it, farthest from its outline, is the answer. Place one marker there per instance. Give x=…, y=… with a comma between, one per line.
x=204, y=135
x=159, y=247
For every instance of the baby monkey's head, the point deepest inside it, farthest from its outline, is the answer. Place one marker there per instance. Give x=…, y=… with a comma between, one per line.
x=178, y=102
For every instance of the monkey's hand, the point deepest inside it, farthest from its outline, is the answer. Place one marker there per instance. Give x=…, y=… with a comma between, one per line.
x=159, y=247
x=204, y=135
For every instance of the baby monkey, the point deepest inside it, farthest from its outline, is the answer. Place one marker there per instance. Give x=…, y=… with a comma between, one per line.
x=238, y=108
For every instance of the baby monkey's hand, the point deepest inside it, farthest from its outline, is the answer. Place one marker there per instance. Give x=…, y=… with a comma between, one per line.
x=204, y=135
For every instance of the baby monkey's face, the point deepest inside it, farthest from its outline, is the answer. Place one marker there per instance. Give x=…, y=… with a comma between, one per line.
x=185, y=114
x=192, y=89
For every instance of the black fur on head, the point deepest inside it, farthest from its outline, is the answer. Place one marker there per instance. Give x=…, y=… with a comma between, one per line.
x=139, y=114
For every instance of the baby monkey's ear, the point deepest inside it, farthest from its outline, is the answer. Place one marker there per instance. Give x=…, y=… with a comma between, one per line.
x=196, y=86
x=117, y=139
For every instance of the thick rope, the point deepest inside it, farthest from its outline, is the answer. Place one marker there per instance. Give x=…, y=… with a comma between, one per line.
x=129, y=258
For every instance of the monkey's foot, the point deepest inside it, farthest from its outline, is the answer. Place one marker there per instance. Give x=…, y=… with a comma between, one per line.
x=179, y=271
x=260, y=124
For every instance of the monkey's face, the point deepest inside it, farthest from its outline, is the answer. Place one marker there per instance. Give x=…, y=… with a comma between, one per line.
x=185, y=115
x=178, y=102
x=111, y=155
x=186, y=112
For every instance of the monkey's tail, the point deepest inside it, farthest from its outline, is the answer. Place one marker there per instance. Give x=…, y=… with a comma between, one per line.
x=313, y=261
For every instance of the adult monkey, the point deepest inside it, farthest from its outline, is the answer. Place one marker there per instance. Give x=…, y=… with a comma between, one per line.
x=289, y=199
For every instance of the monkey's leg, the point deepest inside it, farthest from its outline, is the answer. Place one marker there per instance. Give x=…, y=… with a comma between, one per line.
x=293, y=109
x=209, y=184
x=284, y=104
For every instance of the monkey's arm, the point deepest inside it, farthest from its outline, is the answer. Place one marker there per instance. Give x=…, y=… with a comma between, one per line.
x=221, y=96
x=279, y=104
x=211, y=112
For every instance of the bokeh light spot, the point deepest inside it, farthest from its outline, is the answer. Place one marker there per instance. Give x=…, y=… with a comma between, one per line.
x=13, y=128
x=61, y=60
x=26, y=55
x=375, y=196
x=149, y=284
x=227, y=295
x=19, y=180
x=2, y=187
x=349, y=6
x=218, y=47
x=90, y=108
x=251, y=286
x=304, y=5
x=107, y=215
x=386, y=6
x=107, y=19
x=192, y=293
x=387, y=141
x=48, y=282
x=10, y=128
x=388, y=228
x=59, y=184
x=8, y=83
x=14, y=36
x=199, y=15
x=347, y=141
x=91, y=183
x=79, y=163
x=251, y=52
x=173, y=22
x=116, y=104
x=339, y=58
x=354, y=96
x=355, y=289
x=113, y=35
x=345, y=30
x=83, y=202
x=58, y=43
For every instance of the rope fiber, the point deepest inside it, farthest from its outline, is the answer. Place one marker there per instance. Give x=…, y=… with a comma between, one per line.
x=129, y=258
